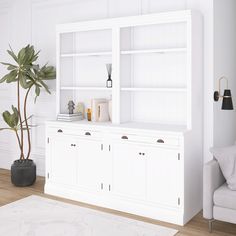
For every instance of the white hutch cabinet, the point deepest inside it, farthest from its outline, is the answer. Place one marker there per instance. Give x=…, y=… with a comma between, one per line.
x=148, y=159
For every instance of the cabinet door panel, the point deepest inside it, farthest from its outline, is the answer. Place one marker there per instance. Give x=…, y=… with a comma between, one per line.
x=163, y=176
x=89, y=164
x=63, y=160
x=129, y=170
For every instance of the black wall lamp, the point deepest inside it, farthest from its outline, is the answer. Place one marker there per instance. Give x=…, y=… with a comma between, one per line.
x=227, y=103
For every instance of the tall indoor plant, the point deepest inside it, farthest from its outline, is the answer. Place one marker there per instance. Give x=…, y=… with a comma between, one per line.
x=28, y=76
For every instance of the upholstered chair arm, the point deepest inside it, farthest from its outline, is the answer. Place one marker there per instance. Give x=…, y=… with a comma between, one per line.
x=212, y=179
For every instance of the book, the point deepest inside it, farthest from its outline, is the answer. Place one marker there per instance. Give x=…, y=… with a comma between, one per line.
x=69, y=117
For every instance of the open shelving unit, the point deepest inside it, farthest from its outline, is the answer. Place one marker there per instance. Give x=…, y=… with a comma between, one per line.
x=152, y=61
x=156, y=125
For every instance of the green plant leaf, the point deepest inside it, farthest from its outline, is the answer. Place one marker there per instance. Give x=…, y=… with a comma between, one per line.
x=11, y=119
x=37, y=92
x=21, y=55
x=5, y=129
x=10, y=66
x=12, y=76
x=12, y=54
x=24, y=83
x=45, y=87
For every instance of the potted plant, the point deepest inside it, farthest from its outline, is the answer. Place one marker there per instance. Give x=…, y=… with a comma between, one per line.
x=27, y=75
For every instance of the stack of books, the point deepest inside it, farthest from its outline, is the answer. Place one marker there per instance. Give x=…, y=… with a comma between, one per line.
x=70, y=117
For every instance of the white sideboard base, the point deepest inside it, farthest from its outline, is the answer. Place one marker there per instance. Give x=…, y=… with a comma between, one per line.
x=174, y=216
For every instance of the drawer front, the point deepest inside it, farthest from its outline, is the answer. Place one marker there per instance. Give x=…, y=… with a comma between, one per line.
x=160, y=140
x=77, y=132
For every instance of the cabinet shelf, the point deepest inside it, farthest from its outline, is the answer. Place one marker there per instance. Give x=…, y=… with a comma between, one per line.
x=87, y=54
x=161, y=50
x=87, y=88
x=124, y=52
x=154, y=89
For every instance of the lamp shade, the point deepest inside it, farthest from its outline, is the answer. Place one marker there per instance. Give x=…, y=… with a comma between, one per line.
x=227, y=103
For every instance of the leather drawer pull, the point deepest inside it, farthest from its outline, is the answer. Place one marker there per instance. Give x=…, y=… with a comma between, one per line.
x=124, y=137
x=60, y=131
x=87, y=133
x=160, y=141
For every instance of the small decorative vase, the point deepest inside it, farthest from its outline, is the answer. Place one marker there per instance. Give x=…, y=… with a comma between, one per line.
x=23, y=173
x=109, y=80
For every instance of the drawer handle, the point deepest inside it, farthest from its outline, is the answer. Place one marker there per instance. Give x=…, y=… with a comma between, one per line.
x=88, y=133
x=124, y=137
x=59, y=131
x=160, y=141
x=73, y=145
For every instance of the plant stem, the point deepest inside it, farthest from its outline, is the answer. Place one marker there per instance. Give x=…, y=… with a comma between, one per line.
x=21, y=125
x=18, y=139
x=26, y=122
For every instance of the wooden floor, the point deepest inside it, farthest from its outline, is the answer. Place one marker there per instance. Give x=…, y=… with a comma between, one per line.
x=196, y=227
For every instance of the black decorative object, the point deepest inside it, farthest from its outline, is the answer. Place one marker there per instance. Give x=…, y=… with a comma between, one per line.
x=227, y=103
x=23, y=172
x=71, y=107
x=109, y=80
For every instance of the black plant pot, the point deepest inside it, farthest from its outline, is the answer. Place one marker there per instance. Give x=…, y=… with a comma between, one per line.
x=23, y=173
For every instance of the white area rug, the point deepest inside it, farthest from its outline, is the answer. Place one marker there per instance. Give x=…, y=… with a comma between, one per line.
x=37, y=216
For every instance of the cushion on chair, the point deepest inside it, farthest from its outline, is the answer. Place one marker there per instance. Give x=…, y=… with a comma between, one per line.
x=224, y=197
x=226, y=158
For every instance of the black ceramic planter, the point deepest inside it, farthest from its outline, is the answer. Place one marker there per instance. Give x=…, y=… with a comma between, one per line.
x=23, y=173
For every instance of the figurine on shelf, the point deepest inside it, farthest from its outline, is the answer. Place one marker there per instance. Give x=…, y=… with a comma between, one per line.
x=71, y=107
x=109, y=80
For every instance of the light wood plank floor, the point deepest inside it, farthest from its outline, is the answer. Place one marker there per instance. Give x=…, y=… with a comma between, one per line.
x=196, y=227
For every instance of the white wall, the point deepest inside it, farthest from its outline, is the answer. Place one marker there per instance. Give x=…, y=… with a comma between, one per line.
x=33, y=21
x=225, y=65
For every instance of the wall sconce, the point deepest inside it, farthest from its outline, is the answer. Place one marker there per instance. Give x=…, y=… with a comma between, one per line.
x=227, y=103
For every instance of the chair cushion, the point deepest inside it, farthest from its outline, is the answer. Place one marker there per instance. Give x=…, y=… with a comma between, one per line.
x=226, y=157
x=224, y=197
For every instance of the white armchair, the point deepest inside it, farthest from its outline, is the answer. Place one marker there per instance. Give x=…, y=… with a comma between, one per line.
x=219, y=202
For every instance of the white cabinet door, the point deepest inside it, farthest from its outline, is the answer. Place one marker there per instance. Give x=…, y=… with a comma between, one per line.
x=63, y=155
x=90, y=164
x=163, y=176
x=129, y=166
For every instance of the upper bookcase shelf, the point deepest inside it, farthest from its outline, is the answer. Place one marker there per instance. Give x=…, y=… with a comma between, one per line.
x=127, y=52
x=87, y=88
x=164, y=50
x=155, y=89
x=154, y=66
x=88, y=54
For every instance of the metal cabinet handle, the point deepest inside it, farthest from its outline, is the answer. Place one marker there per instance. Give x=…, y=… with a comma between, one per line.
x=124, y=137
x=160, y=141
x=88, y=133
x=60, y=131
